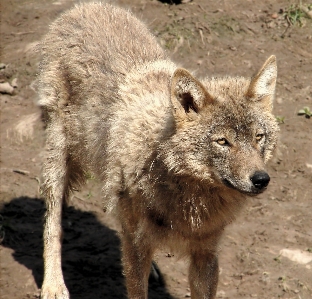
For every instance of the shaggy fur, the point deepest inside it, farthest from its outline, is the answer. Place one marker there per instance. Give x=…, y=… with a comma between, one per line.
x=176, y=156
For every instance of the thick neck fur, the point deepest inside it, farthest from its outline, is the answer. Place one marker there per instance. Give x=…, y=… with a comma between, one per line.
x=197, y=207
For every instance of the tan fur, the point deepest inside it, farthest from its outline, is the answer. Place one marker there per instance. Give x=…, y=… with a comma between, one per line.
x=176, y=155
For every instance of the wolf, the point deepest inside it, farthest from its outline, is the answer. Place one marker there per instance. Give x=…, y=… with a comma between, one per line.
x=177, y=156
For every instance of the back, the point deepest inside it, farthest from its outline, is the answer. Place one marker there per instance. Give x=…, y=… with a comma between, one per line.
x=106, y=38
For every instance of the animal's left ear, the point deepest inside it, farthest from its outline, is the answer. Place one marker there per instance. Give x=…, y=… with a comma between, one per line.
x=262, y=86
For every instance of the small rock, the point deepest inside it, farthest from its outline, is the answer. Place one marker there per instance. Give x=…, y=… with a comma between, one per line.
x=297, y=255
x=6, y=88
x=14, y=83
x=279, y=100
x=220, y=294
x=296, y=291
x=187, y=295
x=309, y=165
x=2, y=66
x=274, y=16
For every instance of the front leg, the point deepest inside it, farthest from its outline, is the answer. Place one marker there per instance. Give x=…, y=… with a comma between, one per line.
x=203, y=275
x=137, y=259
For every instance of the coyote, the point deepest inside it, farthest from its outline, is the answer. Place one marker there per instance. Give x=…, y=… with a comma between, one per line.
x=177, y=156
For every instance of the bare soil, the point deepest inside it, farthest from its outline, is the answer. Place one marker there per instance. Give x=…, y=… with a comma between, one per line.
x=265, y=253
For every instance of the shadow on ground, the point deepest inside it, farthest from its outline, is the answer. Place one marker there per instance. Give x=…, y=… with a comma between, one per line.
x=91, y=254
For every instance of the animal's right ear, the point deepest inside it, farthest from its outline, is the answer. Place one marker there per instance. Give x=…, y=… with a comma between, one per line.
x=188, y=95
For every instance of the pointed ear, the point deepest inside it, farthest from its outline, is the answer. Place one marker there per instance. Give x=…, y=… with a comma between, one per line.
x=188, y=95
x=262, y=86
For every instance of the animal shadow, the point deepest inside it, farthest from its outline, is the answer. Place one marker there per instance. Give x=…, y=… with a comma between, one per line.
x=91, y=257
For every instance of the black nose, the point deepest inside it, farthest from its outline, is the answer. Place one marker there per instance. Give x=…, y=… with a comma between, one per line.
x=260, y=179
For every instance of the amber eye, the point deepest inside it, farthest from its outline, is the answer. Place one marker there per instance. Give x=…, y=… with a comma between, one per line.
x=259, y=137
x=223, y=141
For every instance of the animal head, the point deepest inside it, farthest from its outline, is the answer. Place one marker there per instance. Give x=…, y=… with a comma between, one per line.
x=225, y=131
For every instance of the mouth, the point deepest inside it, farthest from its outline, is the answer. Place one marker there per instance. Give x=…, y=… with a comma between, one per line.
x=252, y=192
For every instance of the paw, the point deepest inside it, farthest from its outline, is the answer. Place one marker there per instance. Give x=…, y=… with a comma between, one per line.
x=53, y=291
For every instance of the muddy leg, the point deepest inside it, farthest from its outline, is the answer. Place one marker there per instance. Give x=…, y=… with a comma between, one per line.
x=137, y=260
x=55, y=189
x=203, y=275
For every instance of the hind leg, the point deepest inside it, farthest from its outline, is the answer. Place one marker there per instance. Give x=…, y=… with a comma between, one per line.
x=55, y=189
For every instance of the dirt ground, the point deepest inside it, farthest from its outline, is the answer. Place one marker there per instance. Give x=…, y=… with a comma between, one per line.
x=265, y=253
